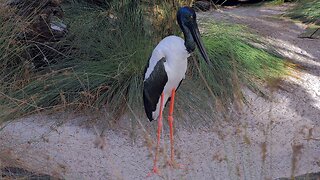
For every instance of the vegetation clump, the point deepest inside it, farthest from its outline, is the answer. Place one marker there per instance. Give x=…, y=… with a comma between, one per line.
x=105, y=53
x=308, y=11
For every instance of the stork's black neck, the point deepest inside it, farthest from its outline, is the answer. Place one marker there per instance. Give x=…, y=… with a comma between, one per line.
x=186, y=18
x=188, y=39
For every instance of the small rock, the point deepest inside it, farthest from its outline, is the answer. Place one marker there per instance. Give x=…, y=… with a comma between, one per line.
x=202, y=5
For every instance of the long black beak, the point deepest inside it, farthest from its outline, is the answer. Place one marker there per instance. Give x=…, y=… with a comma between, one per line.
x=197, y=38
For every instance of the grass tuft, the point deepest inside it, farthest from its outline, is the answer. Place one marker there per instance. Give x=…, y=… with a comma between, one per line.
x=308, y=11
x=107, y=53
x=236, y=62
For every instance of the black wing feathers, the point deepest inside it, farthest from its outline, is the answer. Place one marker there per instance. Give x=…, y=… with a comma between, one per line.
x=153, y=87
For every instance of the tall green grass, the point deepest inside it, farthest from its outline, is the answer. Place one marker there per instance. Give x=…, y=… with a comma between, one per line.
x=108, y=53
x=10, y=49
x=277, y=2
x=308, y=11
x=236, y=61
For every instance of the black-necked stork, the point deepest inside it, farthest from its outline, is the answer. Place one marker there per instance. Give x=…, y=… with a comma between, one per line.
x=166, y=69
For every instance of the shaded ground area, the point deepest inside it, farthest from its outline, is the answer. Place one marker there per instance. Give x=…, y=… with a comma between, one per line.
x=19, y=173
x=267, y=139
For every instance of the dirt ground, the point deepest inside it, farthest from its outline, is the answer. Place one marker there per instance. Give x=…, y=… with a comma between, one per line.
x=266, y=140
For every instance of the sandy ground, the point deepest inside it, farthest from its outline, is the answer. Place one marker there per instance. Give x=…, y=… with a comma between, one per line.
x=266, y=140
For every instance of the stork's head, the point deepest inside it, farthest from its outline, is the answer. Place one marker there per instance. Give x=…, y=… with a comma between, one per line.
x=187, y=21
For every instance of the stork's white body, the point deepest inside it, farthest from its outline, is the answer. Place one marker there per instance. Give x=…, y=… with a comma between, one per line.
x=171, y=48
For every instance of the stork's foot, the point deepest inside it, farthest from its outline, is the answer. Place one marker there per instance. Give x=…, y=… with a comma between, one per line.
x=175, y=165
x=155, y=170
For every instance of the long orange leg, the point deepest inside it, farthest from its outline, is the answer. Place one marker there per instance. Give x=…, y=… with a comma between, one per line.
x=155, y=168
x=170, y=120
